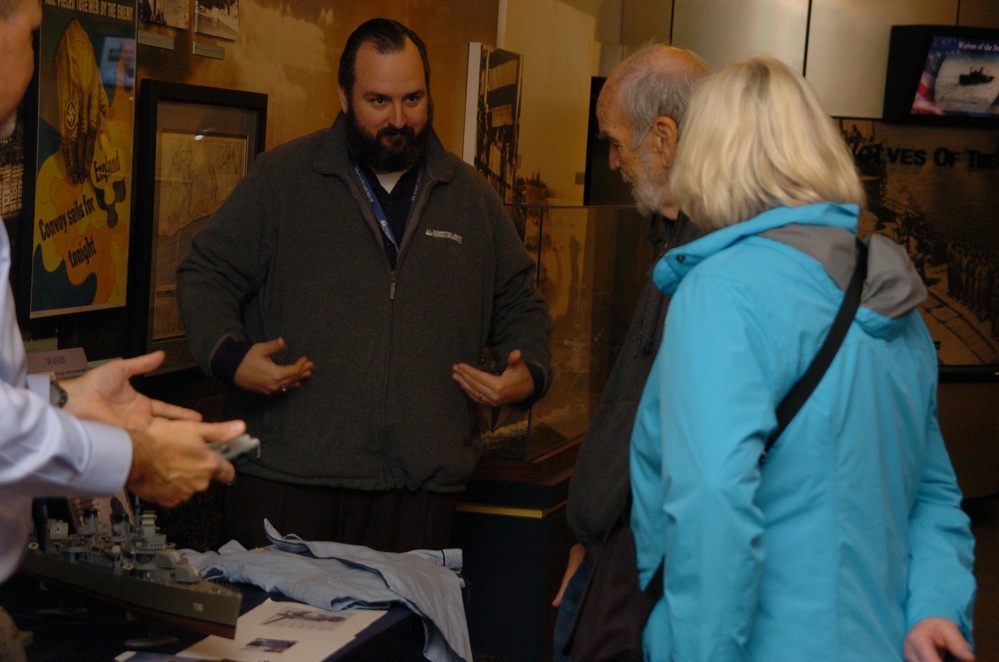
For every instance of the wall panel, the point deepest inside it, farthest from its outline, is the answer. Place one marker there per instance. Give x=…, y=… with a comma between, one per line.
x=642, y=22
x=848, y=48
x=723, y=31
x=980, y=13
x=555, y=40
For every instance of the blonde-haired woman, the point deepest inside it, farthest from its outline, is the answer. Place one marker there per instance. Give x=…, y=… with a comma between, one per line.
x=848, y=543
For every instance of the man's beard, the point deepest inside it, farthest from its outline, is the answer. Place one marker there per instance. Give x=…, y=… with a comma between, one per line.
x=646, y=198
x=651, y=187
x=391, y=149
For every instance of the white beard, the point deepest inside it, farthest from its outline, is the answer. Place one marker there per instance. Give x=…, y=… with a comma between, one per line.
x=651, y=187
x=651, y=194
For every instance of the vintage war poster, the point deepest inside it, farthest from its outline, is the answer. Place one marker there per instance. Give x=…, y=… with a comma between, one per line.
x=83, y=175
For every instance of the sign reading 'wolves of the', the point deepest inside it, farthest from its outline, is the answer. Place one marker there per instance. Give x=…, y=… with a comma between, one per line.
x=933, y=191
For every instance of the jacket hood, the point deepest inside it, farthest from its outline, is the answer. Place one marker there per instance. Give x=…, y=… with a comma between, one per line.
x=825, y=231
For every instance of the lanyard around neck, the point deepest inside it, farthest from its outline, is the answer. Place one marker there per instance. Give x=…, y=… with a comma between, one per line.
x=376, y=207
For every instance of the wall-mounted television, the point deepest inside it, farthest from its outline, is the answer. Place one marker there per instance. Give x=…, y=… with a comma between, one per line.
x=943, y=75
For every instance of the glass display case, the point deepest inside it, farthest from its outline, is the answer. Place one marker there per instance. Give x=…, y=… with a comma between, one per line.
x=593, y=262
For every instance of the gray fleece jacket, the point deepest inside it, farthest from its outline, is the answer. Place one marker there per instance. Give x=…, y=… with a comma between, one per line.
x=295, y=252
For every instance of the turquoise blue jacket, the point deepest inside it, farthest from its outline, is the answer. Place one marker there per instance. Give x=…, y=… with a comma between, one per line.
x=852, y=531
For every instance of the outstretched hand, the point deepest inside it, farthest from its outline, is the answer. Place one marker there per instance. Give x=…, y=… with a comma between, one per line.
x=171, y=461
x=258, y=373
x=513, y=386
x=931, y=639
x=105, y=394
x=170, y=458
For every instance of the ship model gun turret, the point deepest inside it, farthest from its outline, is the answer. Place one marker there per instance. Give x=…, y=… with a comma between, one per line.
x=130, y=564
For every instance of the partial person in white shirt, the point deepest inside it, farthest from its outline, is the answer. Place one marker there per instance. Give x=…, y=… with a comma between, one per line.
x=106, y=435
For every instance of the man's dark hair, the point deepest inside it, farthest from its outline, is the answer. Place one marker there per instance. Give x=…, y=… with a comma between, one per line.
x=385, y=36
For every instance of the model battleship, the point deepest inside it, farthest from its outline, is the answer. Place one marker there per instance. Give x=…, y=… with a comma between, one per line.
x=133, y=566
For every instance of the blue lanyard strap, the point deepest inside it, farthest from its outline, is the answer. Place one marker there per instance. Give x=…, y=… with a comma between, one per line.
x=376, y=207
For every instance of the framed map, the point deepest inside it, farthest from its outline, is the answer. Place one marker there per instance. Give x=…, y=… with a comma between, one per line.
x=195, y=144
x=195, y=174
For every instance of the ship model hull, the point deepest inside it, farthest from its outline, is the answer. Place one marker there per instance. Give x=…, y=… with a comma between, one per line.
x=201, y=606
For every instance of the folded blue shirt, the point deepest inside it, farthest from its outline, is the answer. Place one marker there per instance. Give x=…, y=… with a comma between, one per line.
x=337, y=576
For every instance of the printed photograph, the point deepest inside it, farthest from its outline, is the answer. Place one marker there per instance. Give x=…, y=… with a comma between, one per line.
x=270, y=645
x=306, y=618
x=172, y=13
x=217, y=18
x=927, y=190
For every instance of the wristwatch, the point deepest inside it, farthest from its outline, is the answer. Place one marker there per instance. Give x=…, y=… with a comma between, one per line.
x=57, y=394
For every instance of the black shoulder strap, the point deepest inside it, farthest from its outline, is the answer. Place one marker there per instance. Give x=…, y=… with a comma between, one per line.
x=655, y=588
x=800, y=392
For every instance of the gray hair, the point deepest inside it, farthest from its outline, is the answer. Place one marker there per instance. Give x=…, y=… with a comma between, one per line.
x=657, y=81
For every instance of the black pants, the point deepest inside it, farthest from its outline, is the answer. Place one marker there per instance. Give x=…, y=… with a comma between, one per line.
x=389, y=521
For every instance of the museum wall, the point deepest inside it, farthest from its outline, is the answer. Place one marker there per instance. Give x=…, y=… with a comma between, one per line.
x=290, y=51
x=556, y=40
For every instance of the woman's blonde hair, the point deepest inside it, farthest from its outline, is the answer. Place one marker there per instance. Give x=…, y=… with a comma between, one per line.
x=756, y=137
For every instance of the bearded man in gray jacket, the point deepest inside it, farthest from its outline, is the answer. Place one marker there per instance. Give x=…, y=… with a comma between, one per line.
x=344, y=293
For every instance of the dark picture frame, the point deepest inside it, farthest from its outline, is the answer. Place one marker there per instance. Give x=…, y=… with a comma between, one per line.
x=943, y=75
x=193, y=145
x=78, y=188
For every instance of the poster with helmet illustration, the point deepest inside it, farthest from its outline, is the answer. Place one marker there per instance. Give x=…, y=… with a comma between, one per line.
x=83, y=176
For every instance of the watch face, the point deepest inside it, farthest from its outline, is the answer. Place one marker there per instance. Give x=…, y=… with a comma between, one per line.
x=57, y=394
